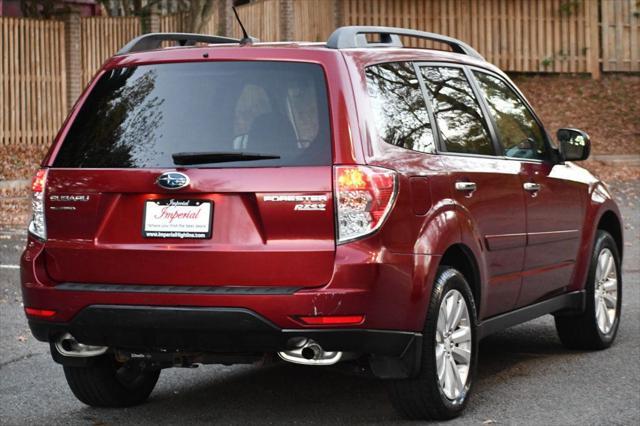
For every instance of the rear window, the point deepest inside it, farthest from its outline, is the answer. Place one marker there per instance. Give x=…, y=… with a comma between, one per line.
x=269, y=113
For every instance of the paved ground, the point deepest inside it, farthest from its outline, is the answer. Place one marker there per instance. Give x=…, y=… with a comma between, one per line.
x=525, y=376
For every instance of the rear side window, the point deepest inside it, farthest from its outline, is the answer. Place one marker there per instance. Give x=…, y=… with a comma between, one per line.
x=140, y=117
x=398, y=106
x=462, y=127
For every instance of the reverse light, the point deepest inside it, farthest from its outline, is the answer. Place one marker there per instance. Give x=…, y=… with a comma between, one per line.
x=333, y=320
x=42, y=313
x=364, y=197
x=38, y=226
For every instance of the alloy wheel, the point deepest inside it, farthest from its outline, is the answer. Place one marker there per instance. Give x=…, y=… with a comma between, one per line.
x=606, y=291
x=453, y=344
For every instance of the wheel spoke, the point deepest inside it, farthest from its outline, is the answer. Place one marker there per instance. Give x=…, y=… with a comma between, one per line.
x=599, y=313
x=461, y=355
x=611, y=284
x=600, y=267
x=604, y=317
x=440, y=363
x=452, y=304
x=609, y=300
x=608, y=265
x=461, y=335
x=457, y=381
x=448, y=377
x=608, y=321
x=458, y=309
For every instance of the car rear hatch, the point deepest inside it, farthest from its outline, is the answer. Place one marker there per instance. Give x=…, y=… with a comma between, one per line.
x=198, y=174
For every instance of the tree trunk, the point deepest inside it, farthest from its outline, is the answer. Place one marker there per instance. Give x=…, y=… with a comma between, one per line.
x=200, y=12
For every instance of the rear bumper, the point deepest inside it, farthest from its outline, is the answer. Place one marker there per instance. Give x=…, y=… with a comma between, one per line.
x=222, y=330
x=390, y=290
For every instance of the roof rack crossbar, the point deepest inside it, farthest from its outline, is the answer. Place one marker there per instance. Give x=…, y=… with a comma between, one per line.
x=154, y=41
x=355, y=37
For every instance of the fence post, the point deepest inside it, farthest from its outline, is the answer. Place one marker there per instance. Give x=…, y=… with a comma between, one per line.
x=150, y=20
x=593, y=39
x=225, y=18
x=338, y=13
x=286, y=20
x=73, y=59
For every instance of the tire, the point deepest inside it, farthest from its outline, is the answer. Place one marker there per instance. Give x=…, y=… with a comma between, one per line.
x=584, y=331
x=423, y=397
x=106, y=383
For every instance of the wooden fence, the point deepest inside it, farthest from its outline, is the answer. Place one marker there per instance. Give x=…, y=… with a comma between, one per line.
x=517, y=35
x=620, y=20
x=32, y=80
x=561, y=36
x=100, y=38
x=314, y=20
x=262, y=20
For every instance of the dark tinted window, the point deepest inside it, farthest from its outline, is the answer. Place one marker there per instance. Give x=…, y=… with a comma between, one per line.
x=519, y=133
x=140, y=116
x=398, y=105
x=458, y=115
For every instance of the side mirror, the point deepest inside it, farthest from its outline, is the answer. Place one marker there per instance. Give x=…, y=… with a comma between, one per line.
x=575, y=144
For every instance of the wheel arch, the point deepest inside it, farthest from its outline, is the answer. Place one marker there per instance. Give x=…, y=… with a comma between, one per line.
x=610, y=222
x=461, y=257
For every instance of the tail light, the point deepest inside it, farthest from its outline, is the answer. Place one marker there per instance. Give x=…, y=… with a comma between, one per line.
x=38, y=226
x=364, y=197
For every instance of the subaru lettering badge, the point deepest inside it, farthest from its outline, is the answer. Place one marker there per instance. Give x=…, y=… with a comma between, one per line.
x=172, y=180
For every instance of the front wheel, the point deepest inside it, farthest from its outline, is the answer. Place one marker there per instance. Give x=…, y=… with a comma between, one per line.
x=449, y=354
x=108, y=383
x=597, y=326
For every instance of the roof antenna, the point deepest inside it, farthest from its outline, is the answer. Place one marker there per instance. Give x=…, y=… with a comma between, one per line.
x=246, y=38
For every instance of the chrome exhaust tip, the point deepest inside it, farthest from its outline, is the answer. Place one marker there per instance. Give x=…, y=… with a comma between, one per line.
x=67, y=345
x=308, y=352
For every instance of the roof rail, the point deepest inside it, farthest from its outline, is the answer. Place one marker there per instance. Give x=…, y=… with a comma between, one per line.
x=355, y=36
x=154, y=41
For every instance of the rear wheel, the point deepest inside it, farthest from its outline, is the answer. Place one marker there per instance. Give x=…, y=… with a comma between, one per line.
x=597, y=326
x=449, y=354
x=107, y=383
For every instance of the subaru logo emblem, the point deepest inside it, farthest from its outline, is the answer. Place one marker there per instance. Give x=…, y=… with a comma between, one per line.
x=172, y=180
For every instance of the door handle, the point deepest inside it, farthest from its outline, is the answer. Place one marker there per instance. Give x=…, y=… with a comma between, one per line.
x=531, y=186
x=466, y=186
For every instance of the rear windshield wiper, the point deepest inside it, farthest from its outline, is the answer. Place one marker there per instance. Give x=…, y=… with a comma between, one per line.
x=189, y=158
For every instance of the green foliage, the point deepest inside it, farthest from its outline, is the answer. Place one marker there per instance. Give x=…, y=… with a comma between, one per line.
x=569, y=7
x=44, y=9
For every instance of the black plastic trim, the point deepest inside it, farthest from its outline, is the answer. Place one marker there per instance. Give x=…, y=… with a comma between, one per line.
x=177, y=289
x=574, y=301
x=224, y=330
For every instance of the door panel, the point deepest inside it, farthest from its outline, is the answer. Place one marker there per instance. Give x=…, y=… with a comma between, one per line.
x=555, y=214
x=497, y=209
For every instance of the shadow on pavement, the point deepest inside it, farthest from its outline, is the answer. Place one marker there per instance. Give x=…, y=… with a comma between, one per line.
x=284, y=391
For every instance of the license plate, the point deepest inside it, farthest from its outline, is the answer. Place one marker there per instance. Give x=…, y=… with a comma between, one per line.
x=177, y=219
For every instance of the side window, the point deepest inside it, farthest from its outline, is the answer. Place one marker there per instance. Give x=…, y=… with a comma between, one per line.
x=519, y=133
x=400, y=111
x=457, y=112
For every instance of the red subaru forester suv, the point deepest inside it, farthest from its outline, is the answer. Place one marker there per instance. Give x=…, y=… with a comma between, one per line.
x=353, y=202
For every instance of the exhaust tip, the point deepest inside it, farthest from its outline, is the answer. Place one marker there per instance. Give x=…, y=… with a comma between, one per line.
x=308, y=353
x=67, y=345
x=311, y=353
